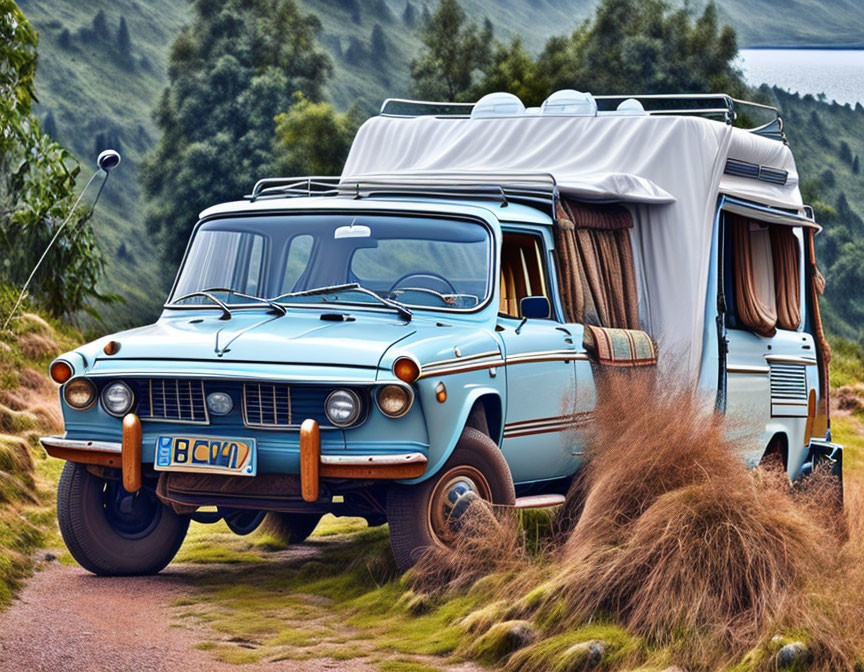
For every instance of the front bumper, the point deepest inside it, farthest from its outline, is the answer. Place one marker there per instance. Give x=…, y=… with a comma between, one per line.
x=313, y=465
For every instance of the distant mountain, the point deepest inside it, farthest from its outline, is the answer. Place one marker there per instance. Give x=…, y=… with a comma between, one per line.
x=99, y=89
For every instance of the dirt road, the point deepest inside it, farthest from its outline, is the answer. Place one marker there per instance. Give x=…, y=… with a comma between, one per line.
x=68, y=620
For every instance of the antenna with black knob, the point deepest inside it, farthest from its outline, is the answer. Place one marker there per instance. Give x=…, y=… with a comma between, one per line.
x=106, y=161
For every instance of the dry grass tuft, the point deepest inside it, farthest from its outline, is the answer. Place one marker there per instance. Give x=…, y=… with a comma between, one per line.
x=488, y=542
x=667, y=534
x=676, y=535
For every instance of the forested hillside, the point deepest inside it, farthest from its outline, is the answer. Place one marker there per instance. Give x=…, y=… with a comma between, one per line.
x=103, y=66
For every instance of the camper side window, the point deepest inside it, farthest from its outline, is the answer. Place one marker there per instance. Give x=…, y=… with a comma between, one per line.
x=763, y=275
x=522, y=271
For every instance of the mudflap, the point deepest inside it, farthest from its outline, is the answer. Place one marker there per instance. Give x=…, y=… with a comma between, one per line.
x=823, y=454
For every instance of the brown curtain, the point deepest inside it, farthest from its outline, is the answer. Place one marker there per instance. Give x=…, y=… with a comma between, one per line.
x=752, y=312
x=595, y=270
x=784, y=252
x=816, y=285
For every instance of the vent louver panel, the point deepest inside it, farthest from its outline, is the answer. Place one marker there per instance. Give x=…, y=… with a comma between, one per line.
x=756, y=172
x=788, y=383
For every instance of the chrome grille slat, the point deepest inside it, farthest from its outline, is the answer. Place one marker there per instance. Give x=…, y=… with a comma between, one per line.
x=171, y=400
x=267, y=406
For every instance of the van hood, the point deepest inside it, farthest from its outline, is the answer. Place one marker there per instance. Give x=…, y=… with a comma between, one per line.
x=259, y=337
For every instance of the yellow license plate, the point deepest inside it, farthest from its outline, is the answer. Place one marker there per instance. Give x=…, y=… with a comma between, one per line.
x=204, y=454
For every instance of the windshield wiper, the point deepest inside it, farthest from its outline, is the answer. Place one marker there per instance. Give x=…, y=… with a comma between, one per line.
x=278, y=307
x=351, y=286
x=226, y=311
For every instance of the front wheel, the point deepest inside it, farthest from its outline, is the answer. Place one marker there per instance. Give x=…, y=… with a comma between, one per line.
x=111, y=532
x=427, y=514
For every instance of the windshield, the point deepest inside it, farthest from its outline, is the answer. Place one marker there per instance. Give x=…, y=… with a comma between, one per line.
x=420, y=262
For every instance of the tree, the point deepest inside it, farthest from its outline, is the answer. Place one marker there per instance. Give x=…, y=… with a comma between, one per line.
x=378, y=43
x=356, y=52
x=49, y=126
x=381, y=10
x=409, y=15
x=37, y=187
x=230, y=72
x=100, y=25
x=455, y=50
x=628, y=46
x=124, y=42
x=312, y=138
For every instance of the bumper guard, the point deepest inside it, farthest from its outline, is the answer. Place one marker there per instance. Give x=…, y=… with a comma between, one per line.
x=313, y=465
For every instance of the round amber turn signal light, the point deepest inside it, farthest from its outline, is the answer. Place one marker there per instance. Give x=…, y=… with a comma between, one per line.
x=60, y=371
x=406, y=369
x=111, y=348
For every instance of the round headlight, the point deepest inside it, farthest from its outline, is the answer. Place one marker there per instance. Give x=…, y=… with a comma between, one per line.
x=219, y=403
x=342, y=407
x=79, y=393
x=394, y=400
x=117, y=398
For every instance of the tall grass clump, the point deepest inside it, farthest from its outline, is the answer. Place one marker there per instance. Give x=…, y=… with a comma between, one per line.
x=667, y=534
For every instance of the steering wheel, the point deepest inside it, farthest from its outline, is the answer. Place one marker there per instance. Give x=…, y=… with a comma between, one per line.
x=424, y=274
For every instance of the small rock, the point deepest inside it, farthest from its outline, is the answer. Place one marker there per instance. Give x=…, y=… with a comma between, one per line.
x=792, y=654
x=503, y=639
x=583, y=656
x=673, y=668
x=420, y=604
x=48, y=556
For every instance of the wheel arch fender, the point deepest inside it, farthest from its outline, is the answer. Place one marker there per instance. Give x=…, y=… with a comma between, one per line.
x=481, y=397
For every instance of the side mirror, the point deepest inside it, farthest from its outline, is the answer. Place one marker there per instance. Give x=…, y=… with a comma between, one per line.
x=535, y=307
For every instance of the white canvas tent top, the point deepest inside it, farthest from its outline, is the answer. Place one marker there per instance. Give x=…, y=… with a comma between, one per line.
x=669, y=165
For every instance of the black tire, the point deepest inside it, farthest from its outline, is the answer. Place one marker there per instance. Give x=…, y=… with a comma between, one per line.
x=291, y=528
x=110, y=542
x=409, y=509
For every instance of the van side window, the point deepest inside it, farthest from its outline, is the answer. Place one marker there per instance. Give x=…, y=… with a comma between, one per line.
x=522, y=271
x=765, y=275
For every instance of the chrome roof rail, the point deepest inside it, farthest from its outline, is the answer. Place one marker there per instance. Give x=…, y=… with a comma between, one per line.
x=537, y=189
x=720, y=106
x=294, y=187
x=533, y=188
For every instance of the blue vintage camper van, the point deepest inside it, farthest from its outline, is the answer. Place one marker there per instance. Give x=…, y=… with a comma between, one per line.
x=428, y=327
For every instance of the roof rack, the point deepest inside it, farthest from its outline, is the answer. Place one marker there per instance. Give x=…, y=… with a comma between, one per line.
x=537, y=189
x=293, y=187
x=720, y=106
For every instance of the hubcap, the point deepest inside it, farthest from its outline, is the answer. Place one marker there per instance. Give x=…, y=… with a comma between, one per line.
x=131, y=515
x=455, y=492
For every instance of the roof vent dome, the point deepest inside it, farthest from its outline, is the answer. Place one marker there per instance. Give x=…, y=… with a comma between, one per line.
x=570, y=102
x=631, y=106
x=499, y=104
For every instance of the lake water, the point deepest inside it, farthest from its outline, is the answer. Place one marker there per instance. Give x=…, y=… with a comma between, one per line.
x=838, y=73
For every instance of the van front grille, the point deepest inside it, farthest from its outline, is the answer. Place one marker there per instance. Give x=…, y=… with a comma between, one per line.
x=172, y=400
x=788, y=383
x=266, y=405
